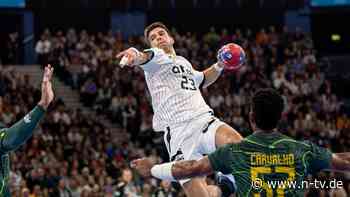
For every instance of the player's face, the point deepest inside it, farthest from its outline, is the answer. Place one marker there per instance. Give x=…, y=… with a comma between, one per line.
x=160, y=38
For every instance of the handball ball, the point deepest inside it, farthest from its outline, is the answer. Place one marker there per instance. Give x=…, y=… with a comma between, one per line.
x=232, y=56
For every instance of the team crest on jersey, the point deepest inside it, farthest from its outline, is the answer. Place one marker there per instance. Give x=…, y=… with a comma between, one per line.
x=27, y=119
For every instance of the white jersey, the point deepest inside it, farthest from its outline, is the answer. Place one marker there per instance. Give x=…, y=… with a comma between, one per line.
x=175, y=89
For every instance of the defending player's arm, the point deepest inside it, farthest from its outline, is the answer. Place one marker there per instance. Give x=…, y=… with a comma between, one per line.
x=220, y=160
x=173, y=170
x=11, y=138
x=341, y=161
x=323, y=159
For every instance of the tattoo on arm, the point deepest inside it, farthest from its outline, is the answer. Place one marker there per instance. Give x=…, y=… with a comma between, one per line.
x=192, y=168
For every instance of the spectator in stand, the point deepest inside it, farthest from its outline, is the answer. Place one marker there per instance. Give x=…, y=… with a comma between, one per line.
x=126, y=187
x=165, y=189
x=12, y=49
x=43, y=49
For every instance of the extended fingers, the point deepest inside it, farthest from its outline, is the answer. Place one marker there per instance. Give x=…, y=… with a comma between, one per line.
x=48, y=73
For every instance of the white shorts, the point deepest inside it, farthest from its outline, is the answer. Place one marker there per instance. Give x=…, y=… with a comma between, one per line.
x=192, y=140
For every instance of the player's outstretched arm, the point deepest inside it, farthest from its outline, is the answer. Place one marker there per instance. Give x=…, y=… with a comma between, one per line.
x=230, y=56
x=341, y=161
x=133, y=57
x=173, y=170
x=11, y=138
x=212, y=73
x=220, y=160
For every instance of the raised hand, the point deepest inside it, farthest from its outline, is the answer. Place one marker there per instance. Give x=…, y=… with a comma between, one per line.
x=129, y=57
x=47, y=94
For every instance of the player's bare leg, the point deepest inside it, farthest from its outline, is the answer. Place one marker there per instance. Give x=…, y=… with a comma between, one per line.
x=213, y=190
x=226, y=135
x=197, y=187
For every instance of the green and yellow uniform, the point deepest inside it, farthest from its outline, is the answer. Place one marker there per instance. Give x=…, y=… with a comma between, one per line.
x=13, y=137
x=264, y=158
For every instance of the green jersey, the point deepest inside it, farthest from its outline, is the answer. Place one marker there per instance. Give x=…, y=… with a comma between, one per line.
x=13, y=137
x=264, y=164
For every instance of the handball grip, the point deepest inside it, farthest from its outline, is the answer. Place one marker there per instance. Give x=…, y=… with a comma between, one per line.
x=232, y=56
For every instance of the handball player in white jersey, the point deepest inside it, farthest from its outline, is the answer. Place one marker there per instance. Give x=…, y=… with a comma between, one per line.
x=191, y=129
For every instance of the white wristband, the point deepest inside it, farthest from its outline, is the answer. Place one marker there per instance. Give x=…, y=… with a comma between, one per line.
x=137, y=61
x=125, y=59
x=163, y=171
x=136, y=51
x=218, y=68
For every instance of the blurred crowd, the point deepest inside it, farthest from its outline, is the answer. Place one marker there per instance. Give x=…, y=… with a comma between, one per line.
x=71, y=154
x=75, y=155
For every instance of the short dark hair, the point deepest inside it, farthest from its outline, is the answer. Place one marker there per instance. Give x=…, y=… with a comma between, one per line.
x=267, y=107
x=152, y=26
